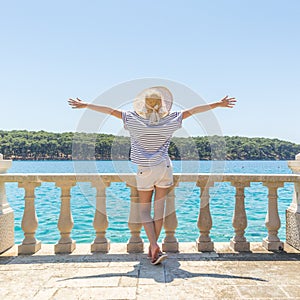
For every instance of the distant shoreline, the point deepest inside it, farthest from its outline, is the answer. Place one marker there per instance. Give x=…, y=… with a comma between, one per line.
x=64, y=160
x=42, y=146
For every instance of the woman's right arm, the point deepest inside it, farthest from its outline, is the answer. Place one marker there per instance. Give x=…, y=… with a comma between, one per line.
x=77, y=103
x=225, y=102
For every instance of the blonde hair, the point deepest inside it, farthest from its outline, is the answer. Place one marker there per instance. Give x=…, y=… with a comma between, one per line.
x=154, y=105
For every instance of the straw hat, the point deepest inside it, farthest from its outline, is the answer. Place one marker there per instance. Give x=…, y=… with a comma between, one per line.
x=156, y=92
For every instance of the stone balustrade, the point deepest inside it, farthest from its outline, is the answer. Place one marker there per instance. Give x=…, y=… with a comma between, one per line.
x=204, y=181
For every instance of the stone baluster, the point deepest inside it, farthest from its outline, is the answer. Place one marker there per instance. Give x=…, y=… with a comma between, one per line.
x=170, y=243
x=239, y=220
x=135, y=243
x=204, y=243
x=101, y=243
x=65, y=221
x=272, y=242
x=30, y=244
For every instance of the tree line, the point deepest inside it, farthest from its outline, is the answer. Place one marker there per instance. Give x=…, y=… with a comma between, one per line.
x=42, y=145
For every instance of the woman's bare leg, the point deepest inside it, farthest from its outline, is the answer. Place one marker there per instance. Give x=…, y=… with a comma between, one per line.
x=145, y=198
x=159, y=208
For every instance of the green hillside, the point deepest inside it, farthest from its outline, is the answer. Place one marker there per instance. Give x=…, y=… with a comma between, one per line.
x=41, y=145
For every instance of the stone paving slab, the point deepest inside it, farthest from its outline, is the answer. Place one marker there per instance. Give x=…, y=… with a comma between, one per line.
x=222, y=274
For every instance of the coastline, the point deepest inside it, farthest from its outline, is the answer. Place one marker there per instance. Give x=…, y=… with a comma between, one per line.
x=41, y=145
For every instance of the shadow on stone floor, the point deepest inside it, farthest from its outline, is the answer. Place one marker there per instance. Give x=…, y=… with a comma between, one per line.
x=170, y=270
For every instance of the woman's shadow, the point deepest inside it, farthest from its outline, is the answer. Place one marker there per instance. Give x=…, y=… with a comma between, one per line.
x=163, y=273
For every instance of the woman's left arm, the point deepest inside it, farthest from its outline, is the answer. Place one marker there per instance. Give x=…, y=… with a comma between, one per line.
x=225, y=102
x=77, y=103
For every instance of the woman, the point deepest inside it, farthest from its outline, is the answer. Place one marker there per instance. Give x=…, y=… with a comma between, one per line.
x=151, y=126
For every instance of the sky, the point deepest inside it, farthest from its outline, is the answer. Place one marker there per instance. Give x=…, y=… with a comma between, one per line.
x=53, y=50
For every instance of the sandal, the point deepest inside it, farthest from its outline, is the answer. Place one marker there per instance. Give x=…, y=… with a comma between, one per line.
x=159, y=259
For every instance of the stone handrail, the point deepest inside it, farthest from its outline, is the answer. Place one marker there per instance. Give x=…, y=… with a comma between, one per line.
x=135, y=244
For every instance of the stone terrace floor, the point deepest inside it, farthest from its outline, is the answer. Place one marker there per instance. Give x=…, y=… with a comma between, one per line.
x=222, y=274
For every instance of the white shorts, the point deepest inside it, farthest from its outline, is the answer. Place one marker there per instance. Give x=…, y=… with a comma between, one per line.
x=160, y=176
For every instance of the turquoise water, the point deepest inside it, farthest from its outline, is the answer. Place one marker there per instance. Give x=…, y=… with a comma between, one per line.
x=118, y=203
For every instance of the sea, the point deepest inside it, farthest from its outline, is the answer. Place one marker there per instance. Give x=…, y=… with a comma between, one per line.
x=222, y=200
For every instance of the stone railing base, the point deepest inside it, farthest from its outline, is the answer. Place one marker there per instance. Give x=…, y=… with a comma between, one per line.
x=293, y=228
x=100, y=247
x=6, y=231
x=170, y=247
x=272, y=246
x=239, y=246
x=29, y=249
x=205, y=246
x=135, y=247
x=65, y=248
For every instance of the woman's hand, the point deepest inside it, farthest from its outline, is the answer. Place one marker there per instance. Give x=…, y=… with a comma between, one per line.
x=227, y=102
x=77, y=103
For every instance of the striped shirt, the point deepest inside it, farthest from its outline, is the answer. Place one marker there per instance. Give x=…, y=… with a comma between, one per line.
x=150, y=143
